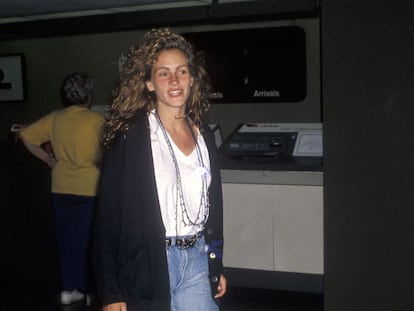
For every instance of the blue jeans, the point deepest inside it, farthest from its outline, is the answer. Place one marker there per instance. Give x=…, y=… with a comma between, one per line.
x=189, y=282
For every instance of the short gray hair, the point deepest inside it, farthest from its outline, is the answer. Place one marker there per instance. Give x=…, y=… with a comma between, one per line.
x=76, y=88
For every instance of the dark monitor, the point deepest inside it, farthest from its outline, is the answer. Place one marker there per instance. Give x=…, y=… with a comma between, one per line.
x=261, y=65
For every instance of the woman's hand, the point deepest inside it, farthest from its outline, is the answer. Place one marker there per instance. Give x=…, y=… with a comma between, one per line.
x=51, y=161
x=117, y=306
x=222, y=287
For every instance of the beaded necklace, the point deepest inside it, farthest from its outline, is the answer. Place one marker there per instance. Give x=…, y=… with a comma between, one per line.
x=180, y=202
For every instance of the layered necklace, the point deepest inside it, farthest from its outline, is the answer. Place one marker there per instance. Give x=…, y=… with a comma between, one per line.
x=180, y=206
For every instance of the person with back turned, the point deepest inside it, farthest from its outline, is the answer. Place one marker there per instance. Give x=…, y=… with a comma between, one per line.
x=74, y=135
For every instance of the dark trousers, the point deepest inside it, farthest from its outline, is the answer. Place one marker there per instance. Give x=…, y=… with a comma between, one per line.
x=73, y=218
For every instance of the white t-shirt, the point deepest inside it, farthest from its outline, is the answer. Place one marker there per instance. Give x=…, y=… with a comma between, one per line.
x=191, y=180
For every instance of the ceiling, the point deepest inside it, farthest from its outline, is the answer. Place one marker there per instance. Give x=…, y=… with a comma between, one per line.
x=25, y=10
x=22, y=18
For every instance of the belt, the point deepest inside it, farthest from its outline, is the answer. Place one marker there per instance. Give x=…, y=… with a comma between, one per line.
x=183, y=242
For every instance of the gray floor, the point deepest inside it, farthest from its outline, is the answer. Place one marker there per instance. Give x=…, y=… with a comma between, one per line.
x=249, y=299
x=22, y=295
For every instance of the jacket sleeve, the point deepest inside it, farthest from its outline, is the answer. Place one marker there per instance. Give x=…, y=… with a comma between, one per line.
x=107, y=227
x=214, y=226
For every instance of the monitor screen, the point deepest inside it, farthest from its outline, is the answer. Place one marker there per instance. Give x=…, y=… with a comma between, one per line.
x=260, y=65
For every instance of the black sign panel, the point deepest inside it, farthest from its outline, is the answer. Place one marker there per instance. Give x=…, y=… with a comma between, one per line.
x=263, y=65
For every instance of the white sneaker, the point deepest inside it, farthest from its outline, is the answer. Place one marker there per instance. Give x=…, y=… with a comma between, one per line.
x=67, y=297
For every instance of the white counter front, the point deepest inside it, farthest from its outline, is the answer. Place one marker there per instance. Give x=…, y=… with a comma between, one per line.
x=273, y=220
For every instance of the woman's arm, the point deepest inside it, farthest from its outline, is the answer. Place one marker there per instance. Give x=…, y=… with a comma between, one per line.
x=105, y=241
x=214, y=232
x=39, y=152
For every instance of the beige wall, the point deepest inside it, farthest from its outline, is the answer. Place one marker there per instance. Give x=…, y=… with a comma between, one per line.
x=49, y=59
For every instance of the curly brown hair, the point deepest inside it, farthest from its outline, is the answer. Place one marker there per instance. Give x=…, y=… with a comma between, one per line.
x=131, y=95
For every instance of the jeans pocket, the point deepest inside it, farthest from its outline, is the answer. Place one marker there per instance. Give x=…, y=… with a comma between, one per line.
x=202, y=246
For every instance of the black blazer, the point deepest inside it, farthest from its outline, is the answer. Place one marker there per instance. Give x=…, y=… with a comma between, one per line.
x=130, y=262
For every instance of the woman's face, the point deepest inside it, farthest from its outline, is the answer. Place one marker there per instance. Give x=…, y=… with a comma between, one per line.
x=170, y=79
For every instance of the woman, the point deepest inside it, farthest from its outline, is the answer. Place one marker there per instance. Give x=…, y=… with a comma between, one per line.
x=159, y=235
x=74, y=135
